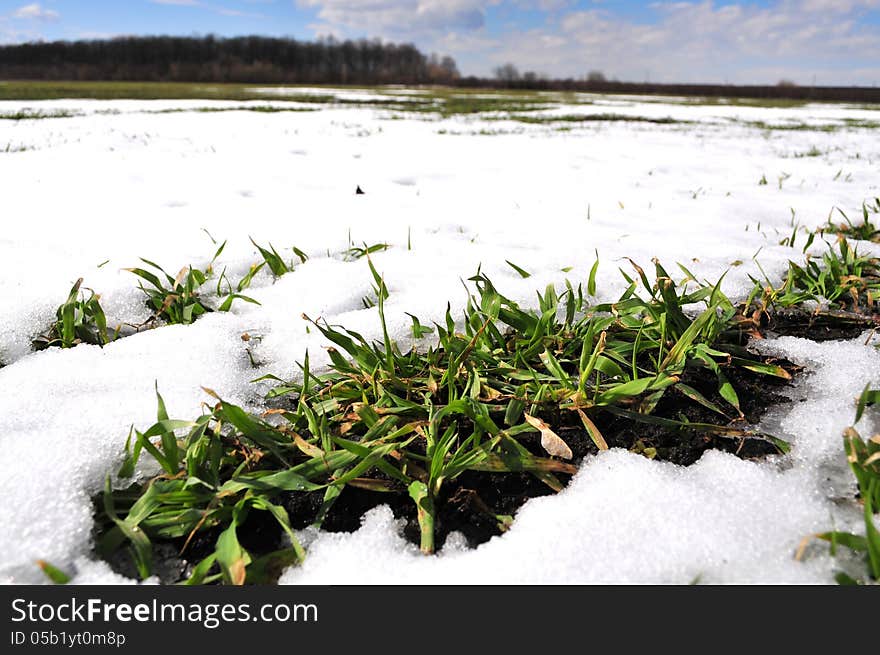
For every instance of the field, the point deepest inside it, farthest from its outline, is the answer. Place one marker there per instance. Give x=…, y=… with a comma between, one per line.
x=462, y=194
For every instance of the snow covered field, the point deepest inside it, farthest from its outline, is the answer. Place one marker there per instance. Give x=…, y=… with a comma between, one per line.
x=86, y=195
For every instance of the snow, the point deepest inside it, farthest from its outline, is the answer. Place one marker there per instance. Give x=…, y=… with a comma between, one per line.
x=90, y=194
x=623, y=519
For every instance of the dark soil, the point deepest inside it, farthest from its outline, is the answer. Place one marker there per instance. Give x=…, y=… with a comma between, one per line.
x=823, y=326
x=471, y=503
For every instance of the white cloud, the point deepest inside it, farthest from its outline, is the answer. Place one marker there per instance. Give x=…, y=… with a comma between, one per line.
x=697, y=41
x=700, y=42
x=544, y=5
x=838, y=6
x=98, y=36
x=223, y=11
x=35, y=11
x=400, y=18
x=10, y=34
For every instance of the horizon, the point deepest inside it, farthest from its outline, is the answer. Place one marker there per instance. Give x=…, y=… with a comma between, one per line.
x=809, y=42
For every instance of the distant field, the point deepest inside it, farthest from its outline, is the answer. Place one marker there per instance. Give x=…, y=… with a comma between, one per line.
x=437, y=100
x=26, y=90
x=434, y=100
x=53, y=90
x=431, y=102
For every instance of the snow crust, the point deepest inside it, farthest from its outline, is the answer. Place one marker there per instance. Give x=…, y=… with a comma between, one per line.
x=86, y=196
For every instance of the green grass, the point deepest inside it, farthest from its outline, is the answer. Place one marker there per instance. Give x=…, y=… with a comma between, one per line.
x=481, y=132
x=841, y=278
x=180, y=299
x=455, y=105
x=864, y=231
x=263, y=109
x=863, y=456
x=53, y=574
x=812, y=152
x=50, y=90
x=411, y=422
x=276, y=262
x=359, y=252
x=595, y=118
x=28, y=115
x=79, y=319
x=769, y=103
x=490, y=395
x=848, y=123
x=441, y=101
x=833, y=296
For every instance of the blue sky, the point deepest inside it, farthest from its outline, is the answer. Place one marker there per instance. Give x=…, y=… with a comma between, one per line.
x=738, y=41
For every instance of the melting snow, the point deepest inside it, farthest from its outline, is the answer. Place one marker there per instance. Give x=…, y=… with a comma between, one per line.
x=87, y=195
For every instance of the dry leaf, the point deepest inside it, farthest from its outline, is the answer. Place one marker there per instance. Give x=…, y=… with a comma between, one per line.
x=593, y=431
x=181, y=276
x=371, y=484
x=237, y=572
x=308, y=449
x=488, y=393
x=211, y=393
x=169, y=300
x=550, y=441
x=802, y=546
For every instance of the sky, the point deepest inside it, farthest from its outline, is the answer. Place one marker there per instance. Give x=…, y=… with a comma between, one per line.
x=826, y=42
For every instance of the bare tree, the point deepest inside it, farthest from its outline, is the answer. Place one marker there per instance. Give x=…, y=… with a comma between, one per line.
x=507, y=73
x=442, y=70
x=449, y=67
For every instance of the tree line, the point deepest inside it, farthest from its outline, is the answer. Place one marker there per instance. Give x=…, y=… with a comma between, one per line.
x=594, y=83
x=257, y=59
x=508, y=76
x=213, y=59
